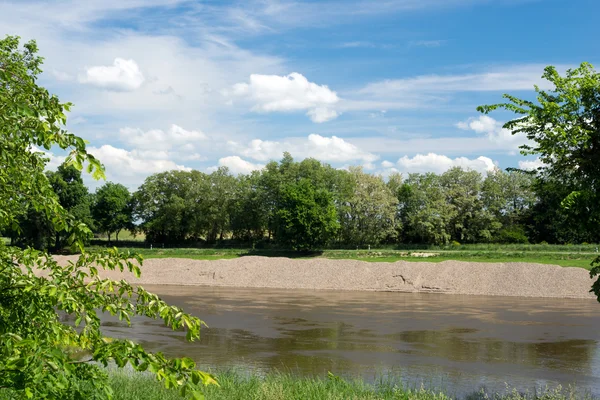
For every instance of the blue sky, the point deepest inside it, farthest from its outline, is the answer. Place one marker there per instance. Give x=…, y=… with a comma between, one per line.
x=391, y=85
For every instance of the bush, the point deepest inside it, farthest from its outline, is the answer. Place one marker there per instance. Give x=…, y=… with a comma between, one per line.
x=512, y=235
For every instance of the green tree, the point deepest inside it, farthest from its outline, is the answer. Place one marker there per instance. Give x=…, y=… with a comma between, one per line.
x=34, y=227
x=368, y=215
x=217, y=203
x=249, y=213
x=306, y=216
x=563, y=128
x=470, y=221
x=112, y=209
x=169, y=204
x=35, y=291
x=426, y=215
x=73, y=196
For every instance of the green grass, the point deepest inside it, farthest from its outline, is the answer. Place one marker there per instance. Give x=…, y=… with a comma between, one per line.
x=128, y=385
x=544, y=255
x=124, y=235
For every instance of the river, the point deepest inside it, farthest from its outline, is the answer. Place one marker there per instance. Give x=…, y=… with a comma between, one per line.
x=451, y=342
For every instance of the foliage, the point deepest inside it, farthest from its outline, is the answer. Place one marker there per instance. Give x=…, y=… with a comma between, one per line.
x=249, y=210
x=306, y=216
x=470, y=221
x=512, y=234
x=425, y=212
x=368, y=214
x=35, y=292
x=277, y=386
x=563, y=129
x=112, y=209
x=168, y=203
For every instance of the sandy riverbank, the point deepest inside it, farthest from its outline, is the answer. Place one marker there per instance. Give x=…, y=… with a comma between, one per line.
x=454, y=277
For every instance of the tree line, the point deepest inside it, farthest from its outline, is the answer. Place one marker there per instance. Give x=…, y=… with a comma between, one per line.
x=309, y=204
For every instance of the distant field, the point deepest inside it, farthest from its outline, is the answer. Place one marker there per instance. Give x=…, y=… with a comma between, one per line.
x=579, y=255
x=556, y=256
x=124, y=235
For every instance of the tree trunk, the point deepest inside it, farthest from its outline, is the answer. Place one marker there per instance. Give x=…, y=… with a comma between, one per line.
x=117, y=235
x=57, y=242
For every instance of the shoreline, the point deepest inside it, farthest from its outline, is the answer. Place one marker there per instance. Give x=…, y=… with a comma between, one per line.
x=516, y=279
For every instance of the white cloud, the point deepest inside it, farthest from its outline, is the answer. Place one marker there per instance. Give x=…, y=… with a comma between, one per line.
x=238, y=165
x=132, y=167
x=357, y=44
x=61, y=75
x=439, y=163
x=123, y=75
x=531, y=165
x=387, y=164
x=518, y=77
x=336, y=149
x=328, y=149
x=427, y=43
x=293, y=92
x=494, y=132
x=321, y=114
x=176, y=136
x=260, y=150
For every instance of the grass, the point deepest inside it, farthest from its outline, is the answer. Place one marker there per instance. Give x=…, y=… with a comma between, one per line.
x=124, y=235
x=564, y=256
x=129, y=385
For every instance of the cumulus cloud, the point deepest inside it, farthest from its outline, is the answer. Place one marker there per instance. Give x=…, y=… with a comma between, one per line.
x=494, y=131
x=531, y=165
x=336, y=149
x=293, y=92
x=439, y=163
x=238, y=165
x=132, y=167
x=175, y=137
x=123, y=75
x=328, y=149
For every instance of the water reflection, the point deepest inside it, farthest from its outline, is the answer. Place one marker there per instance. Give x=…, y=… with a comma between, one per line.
x=458, y=343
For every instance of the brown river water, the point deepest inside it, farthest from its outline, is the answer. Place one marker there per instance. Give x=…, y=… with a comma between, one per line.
x=456, y=343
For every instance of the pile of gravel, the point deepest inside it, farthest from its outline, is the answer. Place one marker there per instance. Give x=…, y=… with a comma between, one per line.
x=455, y=277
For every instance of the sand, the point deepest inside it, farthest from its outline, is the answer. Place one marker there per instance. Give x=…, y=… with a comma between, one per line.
x=453, y=277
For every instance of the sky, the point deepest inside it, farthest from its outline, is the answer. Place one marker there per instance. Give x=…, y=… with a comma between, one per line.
x=391, y=85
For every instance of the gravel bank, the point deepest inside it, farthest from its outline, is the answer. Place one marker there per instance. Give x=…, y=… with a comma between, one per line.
x=454, y=277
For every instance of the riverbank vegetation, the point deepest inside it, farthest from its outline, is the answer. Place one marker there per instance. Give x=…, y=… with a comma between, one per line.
x=566, y=256
x=277, y=386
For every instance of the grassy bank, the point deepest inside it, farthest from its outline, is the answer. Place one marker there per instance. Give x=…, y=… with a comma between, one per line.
x=566, y=256
x=235, y=386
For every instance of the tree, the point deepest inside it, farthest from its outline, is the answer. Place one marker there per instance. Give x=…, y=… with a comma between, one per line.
x=563, y=128
x=73, y=196
x=249, y=213
x=35, y=291
x=306, y=216
x=368, y=215
x=217, y=202
x=112, y=209
x=470, y=222
x=35, y=228
x=169, y=204
x=424, y=211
